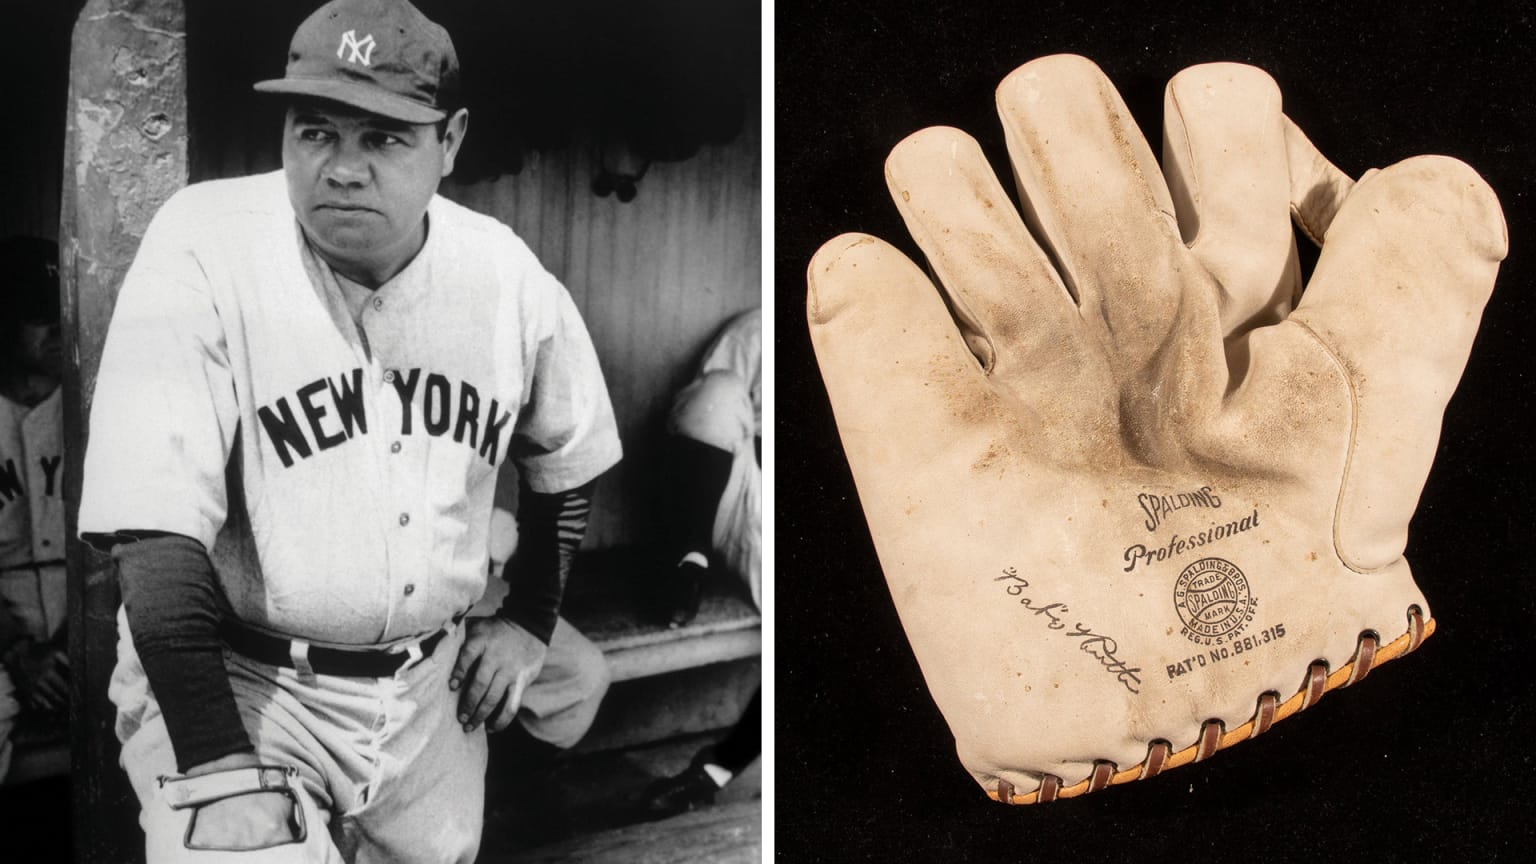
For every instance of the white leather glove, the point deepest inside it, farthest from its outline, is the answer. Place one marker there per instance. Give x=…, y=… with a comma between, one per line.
x=1137, y=495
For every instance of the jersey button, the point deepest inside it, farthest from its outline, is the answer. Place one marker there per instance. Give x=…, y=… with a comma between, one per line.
x=409, y=590
x=395, y=447
x=378, y=302
x=405, y=518
x=389, y=376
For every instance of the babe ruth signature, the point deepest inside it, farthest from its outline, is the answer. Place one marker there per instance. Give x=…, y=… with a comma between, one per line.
x=1097, y=645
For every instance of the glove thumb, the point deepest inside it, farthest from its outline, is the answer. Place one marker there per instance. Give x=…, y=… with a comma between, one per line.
x=1407, y=266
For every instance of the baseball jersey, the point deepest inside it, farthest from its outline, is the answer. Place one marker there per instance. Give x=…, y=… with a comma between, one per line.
x=338, y=459
x=32, y=514
x=737, y=533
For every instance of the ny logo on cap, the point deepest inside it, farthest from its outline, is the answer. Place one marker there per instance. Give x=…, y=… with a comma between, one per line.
x=362, y=49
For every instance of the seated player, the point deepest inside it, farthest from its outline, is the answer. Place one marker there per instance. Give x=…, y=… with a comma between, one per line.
x=34, y=666
x=716, y=427
x=715, y=472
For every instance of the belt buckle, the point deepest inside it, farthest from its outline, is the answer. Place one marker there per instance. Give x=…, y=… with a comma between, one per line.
x=298, y=654
x=413, y=653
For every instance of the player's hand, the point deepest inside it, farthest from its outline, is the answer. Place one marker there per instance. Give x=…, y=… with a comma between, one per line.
x=48, y=690
x=496, y=664
x=252, y=821
x=41, y=672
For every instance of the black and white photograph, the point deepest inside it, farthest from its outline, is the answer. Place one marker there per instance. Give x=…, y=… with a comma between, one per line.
x=389, y=375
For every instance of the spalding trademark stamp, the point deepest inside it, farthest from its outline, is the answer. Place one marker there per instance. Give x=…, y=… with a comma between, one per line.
x=1213, y=601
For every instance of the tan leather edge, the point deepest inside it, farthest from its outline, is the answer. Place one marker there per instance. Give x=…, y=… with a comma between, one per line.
x=1339, y=678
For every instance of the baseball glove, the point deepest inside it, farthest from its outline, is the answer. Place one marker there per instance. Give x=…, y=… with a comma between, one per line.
x=1136, y=493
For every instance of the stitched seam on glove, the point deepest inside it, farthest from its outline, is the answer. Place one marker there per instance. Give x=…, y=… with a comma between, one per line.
x=1295, y=704
x=1349, y=456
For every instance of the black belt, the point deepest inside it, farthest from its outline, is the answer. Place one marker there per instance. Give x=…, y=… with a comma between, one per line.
x=360, y=663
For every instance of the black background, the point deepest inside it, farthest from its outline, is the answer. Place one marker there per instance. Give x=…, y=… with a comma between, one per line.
x=1430, y=757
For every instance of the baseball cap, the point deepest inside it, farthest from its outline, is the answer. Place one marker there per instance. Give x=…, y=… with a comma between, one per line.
x=29, y=266
x=382, y=56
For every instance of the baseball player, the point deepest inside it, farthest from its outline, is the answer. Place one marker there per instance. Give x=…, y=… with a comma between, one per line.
x=716, y=434
x=715, y=450
x=310, y=380
x=33, y=664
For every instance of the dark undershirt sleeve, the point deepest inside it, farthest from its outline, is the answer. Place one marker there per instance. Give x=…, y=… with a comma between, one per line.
x=550, y=528
x=172, y=602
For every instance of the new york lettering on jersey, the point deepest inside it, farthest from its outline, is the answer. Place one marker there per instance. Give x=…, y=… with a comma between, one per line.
x=31, y=480
x=32, y=514
x=332, y=411
x=12, y=471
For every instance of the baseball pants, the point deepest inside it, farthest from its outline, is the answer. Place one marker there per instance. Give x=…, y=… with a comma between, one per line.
x=386, y=773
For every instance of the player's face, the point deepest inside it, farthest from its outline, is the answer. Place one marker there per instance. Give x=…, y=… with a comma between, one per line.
x=360, y=183
x=38, y=349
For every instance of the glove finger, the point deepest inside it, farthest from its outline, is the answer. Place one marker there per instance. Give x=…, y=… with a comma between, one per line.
x=1224, y=156
x=1414, y=246
x=1318, y=187
x=1094, y=195
x=903, y=385
x=1002, y=290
